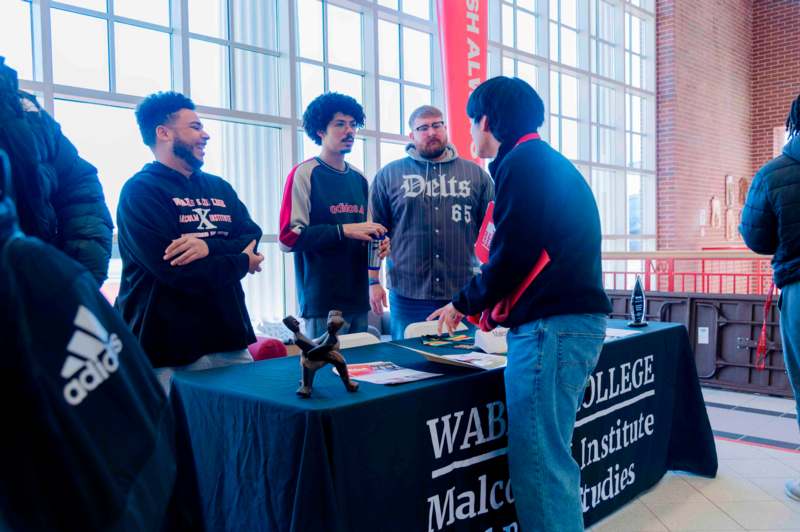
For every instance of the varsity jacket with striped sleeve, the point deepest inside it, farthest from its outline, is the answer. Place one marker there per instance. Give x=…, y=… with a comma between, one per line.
x=330, y=269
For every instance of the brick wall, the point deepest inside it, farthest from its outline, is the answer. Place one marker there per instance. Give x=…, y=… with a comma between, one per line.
x=776, y=71
x=703, y=77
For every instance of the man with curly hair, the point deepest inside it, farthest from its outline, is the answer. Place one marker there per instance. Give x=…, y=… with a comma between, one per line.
x=323, y=219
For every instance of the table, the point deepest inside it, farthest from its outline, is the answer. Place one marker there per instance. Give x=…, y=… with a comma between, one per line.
x=428, y=455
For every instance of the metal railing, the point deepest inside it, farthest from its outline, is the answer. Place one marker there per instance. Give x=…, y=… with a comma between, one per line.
x=707, y=272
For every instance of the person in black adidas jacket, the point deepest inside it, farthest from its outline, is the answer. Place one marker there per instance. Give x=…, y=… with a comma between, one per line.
x=186, y=242
x=771, y=225
x=92, y=442
x=542, y=203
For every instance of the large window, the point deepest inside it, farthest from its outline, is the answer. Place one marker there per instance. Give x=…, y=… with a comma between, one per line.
x=604, y=131
x=405, y=70
x=564, y=131
x=127, y=51
x=564, y=31
x=251, y=66
x=635, y=58
x=330, y=49
x=107, y=136
x=604, y=36
x=522, y=69
x=15, y=27
x=519, y=25
x=234, y=55
x=592, y=63
x=99, y=59
x=246, y=154
x=417, y=8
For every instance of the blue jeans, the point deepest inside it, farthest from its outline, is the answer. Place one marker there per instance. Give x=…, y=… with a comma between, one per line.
x=790, y=337
x=549, y=363
x=353, y=323
x=405, y=311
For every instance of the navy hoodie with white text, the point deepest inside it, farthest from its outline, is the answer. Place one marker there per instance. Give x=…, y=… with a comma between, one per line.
x=180, y=313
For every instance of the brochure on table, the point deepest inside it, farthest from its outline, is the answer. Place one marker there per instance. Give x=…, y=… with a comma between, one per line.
x=473, y=359
x=383, y=372
x=613, y=334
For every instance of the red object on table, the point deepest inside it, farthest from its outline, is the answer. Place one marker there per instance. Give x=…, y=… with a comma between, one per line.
x=265, y=348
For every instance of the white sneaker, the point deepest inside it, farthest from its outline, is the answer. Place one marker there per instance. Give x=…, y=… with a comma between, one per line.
x=792, y=489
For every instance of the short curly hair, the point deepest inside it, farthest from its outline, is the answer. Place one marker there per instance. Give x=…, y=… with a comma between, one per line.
x=157, y=110
x=322, y=109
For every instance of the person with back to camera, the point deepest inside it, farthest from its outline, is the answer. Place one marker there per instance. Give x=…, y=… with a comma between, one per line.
x=771, y=225
x=542, y=204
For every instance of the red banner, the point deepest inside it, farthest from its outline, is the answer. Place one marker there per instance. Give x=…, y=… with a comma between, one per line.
x=463, y=38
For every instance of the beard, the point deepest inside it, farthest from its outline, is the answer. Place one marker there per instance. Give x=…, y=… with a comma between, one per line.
x=345, y=151
x=432, y=150
x=184, y=152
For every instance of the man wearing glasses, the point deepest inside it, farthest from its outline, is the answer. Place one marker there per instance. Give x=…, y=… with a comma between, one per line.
x=323, y=219
x=432, y=204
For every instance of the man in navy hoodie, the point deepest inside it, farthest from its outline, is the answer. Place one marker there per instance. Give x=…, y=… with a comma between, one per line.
x=186, y=242
x=771, y=225
x=542, y=203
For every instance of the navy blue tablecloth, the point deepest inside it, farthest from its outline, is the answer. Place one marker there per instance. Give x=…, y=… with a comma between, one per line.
x=428, y=455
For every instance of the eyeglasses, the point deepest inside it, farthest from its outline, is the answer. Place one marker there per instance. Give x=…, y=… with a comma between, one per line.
x=425, y=127
x=341, y=124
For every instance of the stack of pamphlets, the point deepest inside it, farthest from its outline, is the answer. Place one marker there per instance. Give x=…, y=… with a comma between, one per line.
x=473, y=359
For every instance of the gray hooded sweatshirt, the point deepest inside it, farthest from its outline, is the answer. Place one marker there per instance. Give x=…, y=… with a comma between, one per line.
x=433, y=211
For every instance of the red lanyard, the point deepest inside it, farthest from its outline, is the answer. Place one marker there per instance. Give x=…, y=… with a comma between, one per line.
x=761, y=347
x=526, y=138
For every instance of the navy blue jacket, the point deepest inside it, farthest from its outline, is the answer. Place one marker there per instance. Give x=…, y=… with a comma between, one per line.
x=58, y=195
x=180, y=313
x=93, y=441
x=541, y=202
x=771, y=215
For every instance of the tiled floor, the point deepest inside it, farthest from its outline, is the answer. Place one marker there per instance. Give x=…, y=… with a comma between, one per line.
x=758, y=446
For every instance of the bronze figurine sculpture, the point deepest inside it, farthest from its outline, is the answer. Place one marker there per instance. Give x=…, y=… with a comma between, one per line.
x=320, y=351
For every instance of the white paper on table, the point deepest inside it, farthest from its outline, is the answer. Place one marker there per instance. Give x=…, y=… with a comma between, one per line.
x=473, y=359
x=612, y=333
x=383, y=372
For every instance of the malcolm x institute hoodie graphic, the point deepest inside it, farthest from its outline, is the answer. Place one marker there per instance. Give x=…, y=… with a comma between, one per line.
x=180, y=313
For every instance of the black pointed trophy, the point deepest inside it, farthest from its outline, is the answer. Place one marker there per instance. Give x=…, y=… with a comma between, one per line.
x=638, y=305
